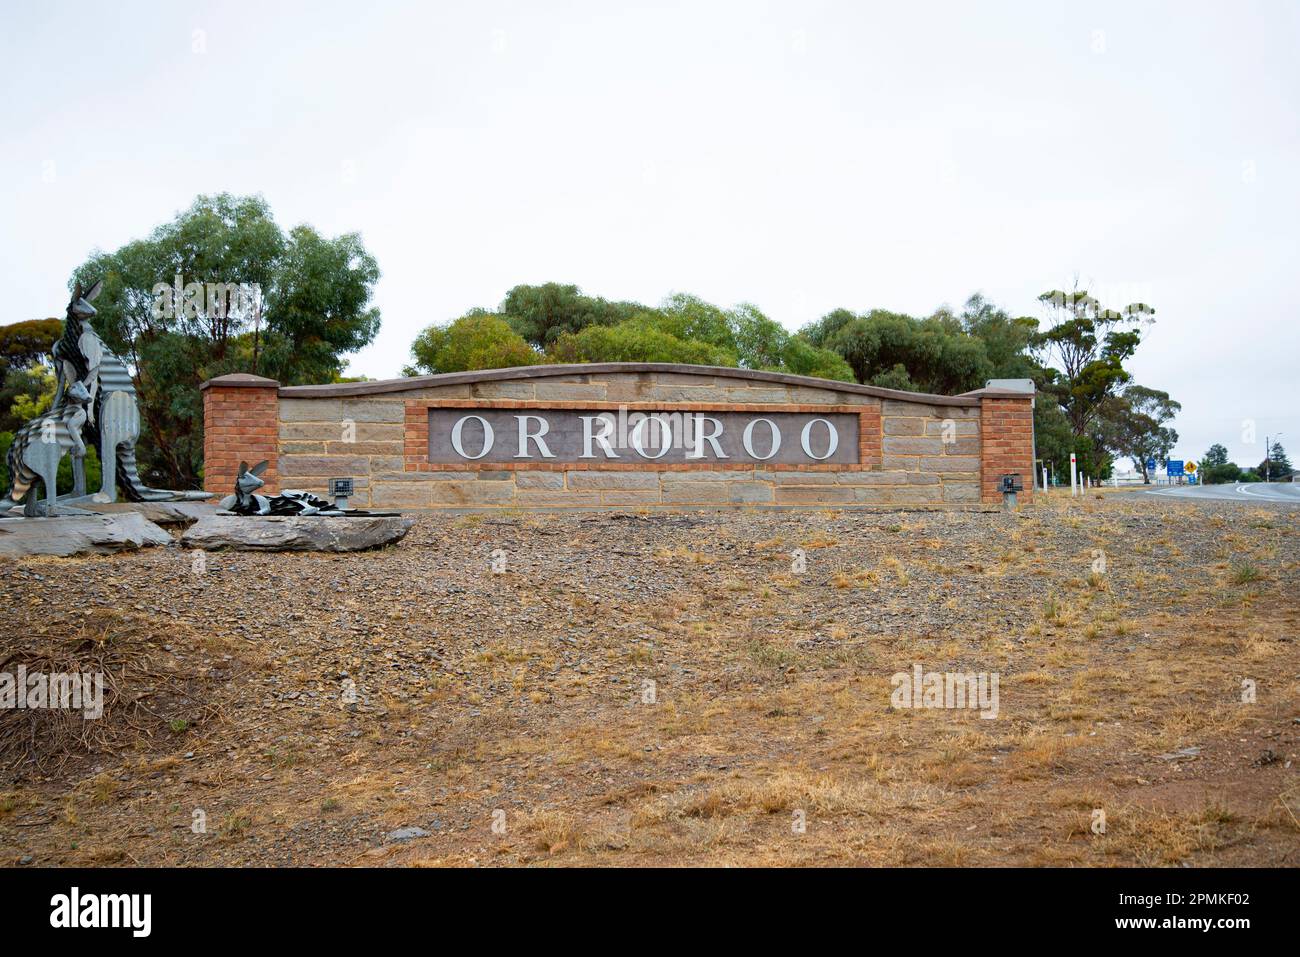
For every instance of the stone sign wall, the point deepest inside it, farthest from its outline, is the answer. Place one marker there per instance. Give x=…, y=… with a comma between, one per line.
x=620, y=434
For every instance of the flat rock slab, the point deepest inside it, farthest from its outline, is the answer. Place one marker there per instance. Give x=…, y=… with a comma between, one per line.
x=407, y=834
x=160, y=513
x=79, y=535
x=295, y=533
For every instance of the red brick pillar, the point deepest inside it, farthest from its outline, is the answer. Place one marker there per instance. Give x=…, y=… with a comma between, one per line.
x=241, y=422
x=1006, y=444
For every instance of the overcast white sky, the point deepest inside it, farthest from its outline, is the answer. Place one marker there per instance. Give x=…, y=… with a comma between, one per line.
x=801, y=156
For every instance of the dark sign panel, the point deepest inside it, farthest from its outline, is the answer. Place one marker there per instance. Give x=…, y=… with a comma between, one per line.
x=577, y=436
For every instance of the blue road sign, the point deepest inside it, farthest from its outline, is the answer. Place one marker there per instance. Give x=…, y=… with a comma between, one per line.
x=1151, y=465
x=1174, y=467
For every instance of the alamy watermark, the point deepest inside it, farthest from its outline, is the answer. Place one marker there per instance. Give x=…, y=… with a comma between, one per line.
x=75, y=909
x=662, y=431
x=946, y=689
x=190, y=300
x=77, y=691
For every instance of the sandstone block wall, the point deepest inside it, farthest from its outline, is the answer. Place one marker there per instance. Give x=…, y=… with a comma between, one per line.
x=913, y=450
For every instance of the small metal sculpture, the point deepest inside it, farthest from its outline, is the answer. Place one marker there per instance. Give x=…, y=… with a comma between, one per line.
x=246, y=501
x=41, y=444
x=94, y=403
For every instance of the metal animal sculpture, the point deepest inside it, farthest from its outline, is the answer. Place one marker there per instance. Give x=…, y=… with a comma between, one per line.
x=40, y=445
x=114, y=420
x=246, y=501
x=94, y=387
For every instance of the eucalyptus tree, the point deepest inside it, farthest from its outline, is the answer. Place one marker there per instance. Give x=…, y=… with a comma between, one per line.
x=1088, y=344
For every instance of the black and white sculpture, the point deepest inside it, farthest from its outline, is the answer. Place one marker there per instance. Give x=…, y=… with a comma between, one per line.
x=246, y=501
x=293, y=521
x=94, y=404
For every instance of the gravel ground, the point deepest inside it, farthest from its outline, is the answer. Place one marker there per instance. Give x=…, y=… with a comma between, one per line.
x=693, y=688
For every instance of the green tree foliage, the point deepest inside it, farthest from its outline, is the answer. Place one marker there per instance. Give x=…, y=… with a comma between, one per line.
x=26, y=378
x=1217, y=455
x=30, y=402
x=1133, y=423
x=745, y=337
x=1275, y=466
x=541, y=314
x=25, y=344
x=24, y=393
x=1092, y=460
x=477, y=340
x=1089, y=345
x=763, y=343
x=800, y=357
x=1054, y=440
x=897, y=351
x=1221, y=474
x=318, y=308
x=1007, y=340
x=688, y=317
x=1215, y=469
x=560, y=324
x=637, y=340
x=312, y=312
x=949, y=354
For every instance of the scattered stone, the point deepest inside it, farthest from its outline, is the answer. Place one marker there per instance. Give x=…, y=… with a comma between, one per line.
x=1182, y=754
x=295, y=533
x=407, y=833
x=79, y=535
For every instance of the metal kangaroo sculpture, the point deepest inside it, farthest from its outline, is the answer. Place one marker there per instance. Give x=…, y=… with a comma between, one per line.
x=95, y=400
x=40, y=445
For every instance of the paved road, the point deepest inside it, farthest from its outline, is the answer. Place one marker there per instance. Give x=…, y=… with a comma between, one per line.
x=1285, y=492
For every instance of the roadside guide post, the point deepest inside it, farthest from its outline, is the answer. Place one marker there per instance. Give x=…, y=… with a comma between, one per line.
x=1074, y=476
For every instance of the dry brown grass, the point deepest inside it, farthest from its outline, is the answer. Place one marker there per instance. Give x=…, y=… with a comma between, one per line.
x=770, y=737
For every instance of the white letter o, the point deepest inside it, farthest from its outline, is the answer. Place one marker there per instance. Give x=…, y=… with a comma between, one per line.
x=638, y=437
x=748, y=439
x=830, y=430
x=488, y=437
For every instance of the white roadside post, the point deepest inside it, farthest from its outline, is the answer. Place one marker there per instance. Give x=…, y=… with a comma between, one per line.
x=1044, y=478
x=1074, y=476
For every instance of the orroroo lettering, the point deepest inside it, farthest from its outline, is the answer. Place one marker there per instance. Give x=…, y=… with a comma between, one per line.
x=578, y=436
